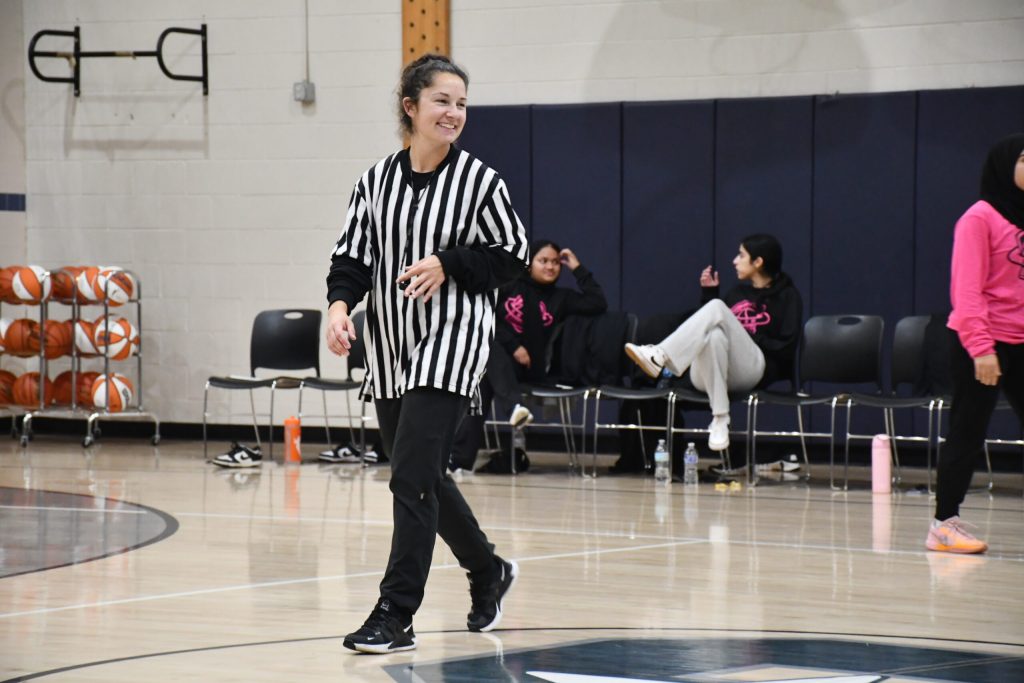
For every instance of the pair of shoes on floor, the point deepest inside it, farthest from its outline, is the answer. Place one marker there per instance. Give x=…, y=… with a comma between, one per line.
x=520, y=417
x=950, y=536
x=789, y=465
x=649, y=357
x=347, y=454
x=239, y=455
x=389, y=629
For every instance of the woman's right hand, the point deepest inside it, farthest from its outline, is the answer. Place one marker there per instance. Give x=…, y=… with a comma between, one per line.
x=709, y=277
x=522, y=356
x=340, y=329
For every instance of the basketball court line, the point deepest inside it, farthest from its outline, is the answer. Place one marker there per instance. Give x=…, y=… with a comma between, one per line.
x=75, y=509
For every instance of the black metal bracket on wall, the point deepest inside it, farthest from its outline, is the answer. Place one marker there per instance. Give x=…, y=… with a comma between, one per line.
x=75, y=57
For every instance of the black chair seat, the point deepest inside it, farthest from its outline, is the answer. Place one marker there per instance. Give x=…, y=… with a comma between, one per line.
x=875, y=401
x=240, y=382
x=541, y=391
x=326, y=384
x=790, y=399
x=626, y=393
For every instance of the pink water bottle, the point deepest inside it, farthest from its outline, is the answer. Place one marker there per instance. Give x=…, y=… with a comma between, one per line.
x=881, y=464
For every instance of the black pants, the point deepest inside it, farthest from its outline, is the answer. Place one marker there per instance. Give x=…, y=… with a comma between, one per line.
x=417, y=430
x=973, y=404
x=501, y=381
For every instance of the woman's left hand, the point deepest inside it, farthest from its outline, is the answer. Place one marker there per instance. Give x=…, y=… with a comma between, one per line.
x=569, y=259
x=424, y=277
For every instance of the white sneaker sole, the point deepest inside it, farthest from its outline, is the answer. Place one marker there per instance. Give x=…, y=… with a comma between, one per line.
x=231, y=463
x=384, y=649
x=649, y=368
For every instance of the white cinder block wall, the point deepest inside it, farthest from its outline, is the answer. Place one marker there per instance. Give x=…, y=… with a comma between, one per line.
x=12, y=129
x=228, y=204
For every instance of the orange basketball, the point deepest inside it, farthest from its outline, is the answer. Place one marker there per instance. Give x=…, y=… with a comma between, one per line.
x=59, y=338
x=31, y=284
x=85, y=283
x=113, y=392
x=6, y=285
x=6, y=387
x=84, y=388
x=62, y=388
x=64, y=283
x=22, y=338
x=25, y=391
x=85, y=338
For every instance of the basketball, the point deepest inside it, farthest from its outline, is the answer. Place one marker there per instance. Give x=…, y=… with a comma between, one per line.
x=22, y=337
x=6, y=387
x=6, y=282
x=31, y=284
x=85, y=333
x=62, y=388
x=25, y=391
x=85, y=283
x=115, y=284
x=4, y=324
x=116, y=338
x=59, y=338
x=63, y=283
x=83, y=387
x=114, y=393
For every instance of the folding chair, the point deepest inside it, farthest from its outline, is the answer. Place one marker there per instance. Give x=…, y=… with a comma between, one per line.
x=283, y=339
x=907, y=369
x=356, y=360
x=838, y=349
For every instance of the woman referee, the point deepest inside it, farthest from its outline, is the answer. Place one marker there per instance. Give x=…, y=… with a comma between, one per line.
x=430, y=234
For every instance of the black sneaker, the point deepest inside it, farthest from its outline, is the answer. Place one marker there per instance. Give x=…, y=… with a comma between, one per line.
x=383, y=632
x=345, y=453
x=487, y=593
x=239, y=455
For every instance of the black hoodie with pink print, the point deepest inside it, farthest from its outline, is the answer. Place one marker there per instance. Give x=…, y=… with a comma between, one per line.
x=528, y=312
x=774, y=318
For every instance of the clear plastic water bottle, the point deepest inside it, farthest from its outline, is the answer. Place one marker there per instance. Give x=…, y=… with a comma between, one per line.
x=661, y=473
x=519, y=440
x=690, y=464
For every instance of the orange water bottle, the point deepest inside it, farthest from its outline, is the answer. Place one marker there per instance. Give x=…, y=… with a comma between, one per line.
x=292, y=439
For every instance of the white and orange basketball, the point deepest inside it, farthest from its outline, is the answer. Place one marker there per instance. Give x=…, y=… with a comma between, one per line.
x=85, y=338
x=85, y=283
x=115, y=284
x=31, y=284
x=6, y=281
x=113, y=392
x=116, y=338
x=4, y=324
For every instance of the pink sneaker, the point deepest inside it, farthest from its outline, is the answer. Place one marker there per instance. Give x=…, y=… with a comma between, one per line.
x=951, y=537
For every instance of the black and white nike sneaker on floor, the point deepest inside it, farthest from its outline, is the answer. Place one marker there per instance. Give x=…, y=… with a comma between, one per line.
x=344, y=453
x=488, y=591
x=386, y=630
x=239, y=455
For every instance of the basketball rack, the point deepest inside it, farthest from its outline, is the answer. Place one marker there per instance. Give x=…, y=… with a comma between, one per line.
x=74, y=409
x=76, y=55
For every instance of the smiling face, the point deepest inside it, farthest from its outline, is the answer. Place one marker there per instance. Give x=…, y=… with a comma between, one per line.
x=439, y=114
x=545, y=267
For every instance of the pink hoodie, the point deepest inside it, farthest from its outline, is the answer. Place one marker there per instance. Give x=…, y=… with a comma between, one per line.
x=987, y=283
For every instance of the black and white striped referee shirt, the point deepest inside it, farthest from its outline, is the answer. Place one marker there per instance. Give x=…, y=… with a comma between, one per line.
x=465, y=217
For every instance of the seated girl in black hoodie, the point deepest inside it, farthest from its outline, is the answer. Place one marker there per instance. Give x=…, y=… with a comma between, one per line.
x=528, y=311
x=745, y=341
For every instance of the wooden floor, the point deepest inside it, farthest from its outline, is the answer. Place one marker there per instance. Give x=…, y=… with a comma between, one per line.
x=266, y=570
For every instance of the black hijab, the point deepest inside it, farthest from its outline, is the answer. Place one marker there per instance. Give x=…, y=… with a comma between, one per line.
x=997, y=185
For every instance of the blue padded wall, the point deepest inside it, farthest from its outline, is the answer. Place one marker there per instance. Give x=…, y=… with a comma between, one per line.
x=500, y=137
x=577, y=175
x=764, y=160
x=667, y=208
x=955, y=130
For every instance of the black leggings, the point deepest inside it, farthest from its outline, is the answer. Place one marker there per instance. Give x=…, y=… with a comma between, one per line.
x=973, y=404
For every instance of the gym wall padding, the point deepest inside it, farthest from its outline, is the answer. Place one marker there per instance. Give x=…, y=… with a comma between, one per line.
x=577, y=185
x=667, y=208
x=500, y=137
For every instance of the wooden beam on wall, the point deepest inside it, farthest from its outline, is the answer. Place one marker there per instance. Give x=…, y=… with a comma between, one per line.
x=426, y=27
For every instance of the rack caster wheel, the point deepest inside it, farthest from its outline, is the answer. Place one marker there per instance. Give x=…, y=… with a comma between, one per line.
x=24, y=441
x=88, y=441
x=96, y=433
x=155, y=440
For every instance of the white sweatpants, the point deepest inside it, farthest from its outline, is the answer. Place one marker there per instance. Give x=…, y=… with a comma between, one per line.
x=720, y=354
